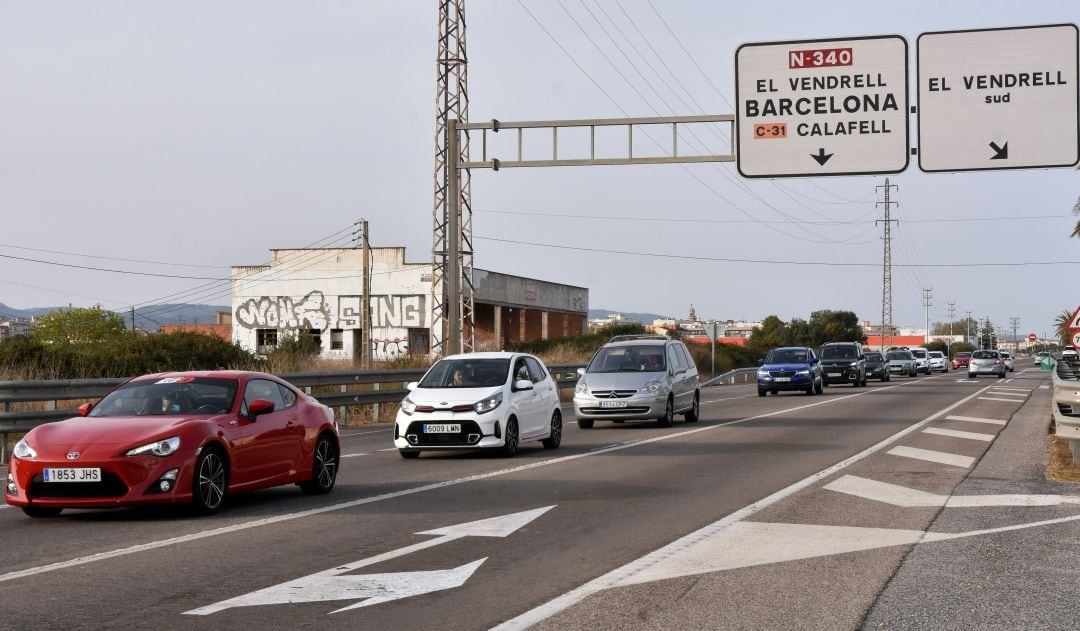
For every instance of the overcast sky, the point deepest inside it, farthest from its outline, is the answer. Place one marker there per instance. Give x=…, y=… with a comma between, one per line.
x=205, y=133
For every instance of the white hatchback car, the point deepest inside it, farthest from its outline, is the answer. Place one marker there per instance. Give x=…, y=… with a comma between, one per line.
x=938, y=361
x=480, y=401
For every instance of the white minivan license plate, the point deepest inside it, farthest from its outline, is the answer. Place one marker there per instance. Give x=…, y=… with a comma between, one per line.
x=442, y=428
x=782, y=379
x=69, y=474
x=834, y=374
x=613, y=404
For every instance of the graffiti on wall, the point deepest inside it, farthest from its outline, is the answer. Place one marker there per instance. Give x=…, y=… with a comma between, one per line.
x=314, y=310
x=389, y=349
x=285, y=312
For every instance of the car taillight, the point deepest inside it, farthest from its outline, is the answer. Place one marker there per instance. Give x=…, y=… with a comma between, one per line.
x=997, y=361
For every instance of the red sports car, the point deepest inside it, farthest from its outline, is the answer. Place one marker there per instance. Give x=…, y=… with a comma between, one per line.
x=177, y=438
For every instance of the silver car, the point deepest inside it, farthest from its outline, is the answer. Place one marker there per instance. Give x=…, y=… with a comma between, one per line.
x=1007, y=359
x=638, y=377
x=986, y=362
x=901, y=363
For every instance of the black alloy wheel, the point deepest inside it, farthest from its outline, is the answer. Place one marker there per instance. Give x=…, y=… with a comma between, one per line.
x=211, y=482
x=669, y=415
x=324, y=468
x=510, y=445
x=554, y=438
x=694, y=413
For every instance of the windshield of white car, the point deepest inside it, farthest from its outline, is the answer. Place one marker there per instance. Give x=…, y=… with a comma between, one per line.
x=919, y=354
x=838, y=352
x=637, y=358
x=169, y=396
x=467, y=373
x=786, y=356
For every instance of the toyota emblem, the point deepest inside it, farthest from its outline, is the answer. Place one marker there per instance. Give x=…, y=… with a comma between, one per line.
x=73, y=455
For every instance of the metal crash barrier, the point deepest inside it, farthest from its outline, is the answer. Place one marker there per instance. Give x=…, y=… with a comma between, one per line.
x=1066, y=405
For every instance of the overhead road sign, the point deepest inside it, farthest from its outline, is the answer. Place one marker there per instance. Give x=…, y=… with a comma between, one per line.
x=822, y=107
x=998, y=98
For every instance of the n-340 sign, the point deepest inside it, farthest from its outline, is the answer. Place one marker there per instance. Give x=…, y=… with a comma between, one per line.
x=822, y=107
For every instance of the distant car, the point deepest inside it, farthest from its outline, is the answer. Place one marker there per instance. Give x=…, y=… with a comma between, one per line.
x=938, y=361
x=986, y=362
x=922, y=359
x=901, y=362
x=1007, y=359
x=1069, y=354
x=638, y=377
x=790, y=368
x=876, y=367
x=480, y=401
x=1041, y=355
x=843, y=362
x=177, y=438
x=961, y=360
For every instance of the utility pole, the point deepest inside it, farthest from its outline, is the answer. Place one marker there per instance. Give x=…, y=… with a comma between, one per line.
x=1015, y=322
x=133, y=320
x=967, y=327
x=927, y=293
x=886, y=268
x=365, y=297
x=952, y=316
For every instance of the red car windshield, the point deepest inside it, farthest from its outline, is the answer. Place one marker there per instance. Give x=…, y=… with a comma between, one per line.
x=169, y=396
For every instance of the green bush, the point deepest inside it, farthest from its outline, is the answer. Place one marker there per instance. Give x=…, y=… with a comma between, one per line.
x=579, y=344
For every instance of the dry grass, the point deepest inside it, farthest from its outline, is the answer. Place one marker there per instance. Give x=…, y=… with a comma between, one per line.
x=1060, y=466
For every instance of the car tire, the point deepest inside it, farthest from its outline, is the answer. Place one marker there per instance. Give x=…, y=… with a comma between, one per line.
x=810, y=389
x=669, y=415
x=41, y=511
x=324, y=468
x=584, y=423
x=913, y=374
x=1002, y=375
x=409, y=454
x=972, y=376
x=510, y=439
x=211, y=481
x=694, y=413
x=554, y=438
x=819, y=386
x=762, y=392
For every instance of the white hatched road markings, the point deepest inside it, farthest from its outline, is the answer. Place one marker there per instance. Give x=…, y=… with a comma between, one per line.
x=722, y=529
x=932, y=456
x=1008, y=393
x=1011, y=388
x=907, y=497
x=154, y=545
x=986, y=438
x=1000, y=399
x=976, y=419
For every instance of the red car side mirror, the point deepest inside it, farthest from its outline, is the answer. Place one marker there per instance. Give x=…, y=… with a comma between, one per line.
x=85, y=408
x=259, y=407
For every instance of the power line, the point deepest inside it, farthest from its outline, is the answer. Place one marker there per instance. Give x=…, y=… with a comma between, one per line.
x=109, y=258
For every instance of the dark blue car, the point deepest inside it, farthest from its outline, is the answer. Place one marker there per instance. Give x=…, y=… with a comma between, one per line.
x=790, y=368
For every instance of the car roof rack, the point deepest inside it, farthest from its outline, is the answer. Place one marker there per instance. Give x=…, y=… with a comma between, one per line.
x=631, y=338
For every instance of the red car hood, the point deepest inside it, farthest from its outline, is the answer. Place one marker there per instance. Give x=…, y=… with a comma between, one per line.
x=83, y=432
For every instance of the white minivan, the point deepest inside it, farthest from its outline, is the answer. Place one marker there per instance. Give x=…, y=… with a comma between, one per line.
x=922, y=359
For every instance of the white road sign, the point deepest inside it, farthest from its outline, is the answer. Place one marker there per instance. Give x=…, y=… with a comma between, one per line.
x=998, y=98
x=822, y=107
x=1076, y=339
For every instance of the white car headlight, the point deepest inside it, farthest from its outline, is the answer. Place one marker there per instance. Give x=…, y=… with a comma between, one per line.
x=488, y=404
x=763, y=373
x=802, y=372
x=854, y=364
x=581, y=387
x=157, y=448
x=652, y=387
x=24, y=450
x=407, y=406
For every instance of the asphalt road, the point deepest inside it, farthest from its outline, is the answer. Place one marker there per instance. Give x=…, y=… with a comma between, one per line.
x=725, y=523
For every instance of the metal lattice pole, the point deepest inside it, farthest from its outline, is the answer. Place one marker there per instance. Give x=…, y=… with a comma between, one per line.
x=886, y=283
x=451, y=102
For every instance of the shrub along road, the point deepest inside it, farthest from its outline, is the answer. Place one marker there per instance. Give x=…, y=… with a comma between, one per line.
x=768, y=513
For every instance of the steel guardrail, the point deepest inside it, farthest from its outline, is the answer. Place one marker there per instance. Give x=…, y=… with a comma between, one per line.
x=1066, y=404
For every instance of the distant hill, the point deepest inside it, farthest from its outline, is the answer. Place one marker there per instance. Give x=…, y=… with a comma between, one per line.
x=148, y=318
x=644, y=318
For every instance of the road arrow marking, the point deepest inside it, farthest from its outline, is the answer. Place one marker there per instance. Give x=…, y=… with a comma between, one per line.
x=371, y=589
x=821, y=156
x=1000, y=153
x=907, y=498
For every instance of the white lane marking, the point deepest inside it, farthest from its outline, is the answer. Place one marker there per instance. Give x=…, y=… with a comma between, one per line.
x=999, y=399
x=1044, y=387
x=941, y=457
x=371, y=589
x=745, y=396
x=374, y=431
x=976, y=419
x=1007, y=393
x=351, y=455
x=1014, y=389
x=967, y=381
x=906, y=497
x=153, y=545
x=986, y=438
x=3, y=506
x=612, y=578
x=388, y=449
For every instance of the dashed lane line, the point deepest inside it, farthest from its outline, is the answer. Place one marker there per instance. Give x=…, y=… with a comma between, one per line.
x=952, y=433
x=1000, y=399
x=976, y=419
x=940, y=457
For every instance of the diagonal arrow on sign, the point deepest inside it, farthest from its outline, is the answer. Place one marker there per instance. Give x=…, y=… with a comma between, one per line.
x=1000, y=153
x=371, y=589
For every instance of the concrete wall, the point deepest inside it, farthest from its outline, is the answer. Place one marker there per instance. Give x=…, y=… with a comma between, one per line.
x=515, y=291
x=303, y=290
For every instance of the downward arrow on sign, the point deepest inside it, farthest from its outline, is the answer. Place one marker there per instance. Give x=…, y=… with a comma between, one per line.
x=821, y=156
x=371, y=589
